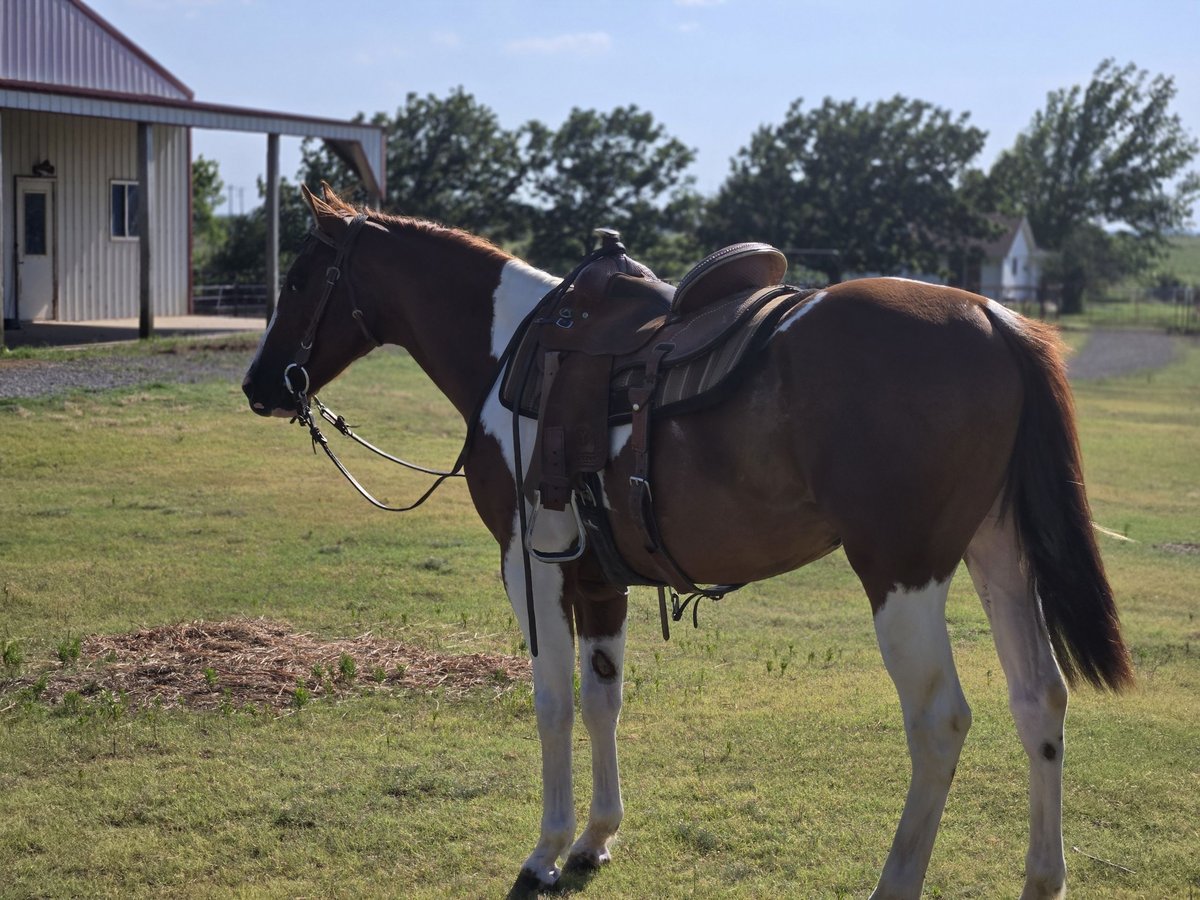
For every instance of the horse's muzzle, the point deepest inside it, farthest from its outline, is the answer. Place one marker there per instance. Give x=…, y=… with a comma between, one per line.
x=262, y=407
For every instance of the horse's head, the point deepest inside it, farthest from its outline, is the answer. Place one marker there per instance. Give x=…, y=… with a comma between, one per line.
x=318, y=328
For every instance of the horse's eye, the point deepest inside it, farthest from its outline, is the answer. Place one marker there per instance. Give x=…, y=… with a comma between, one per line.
x=293, y=288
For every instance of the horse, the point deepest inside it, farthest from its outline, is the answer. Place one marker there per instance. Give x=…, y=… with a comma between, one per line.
x=912, y=425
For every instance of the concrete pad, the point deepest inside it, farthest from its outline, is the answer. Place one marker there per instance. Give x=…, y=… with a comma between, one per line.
x=103, y=331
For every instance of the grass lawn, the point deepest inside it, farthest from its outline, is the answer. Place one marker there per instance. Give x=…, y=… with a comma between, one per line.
x=763, y=755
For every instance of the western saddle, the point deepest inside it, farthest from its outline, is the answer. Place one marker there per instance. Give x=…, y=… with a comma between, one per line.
x=614, y=344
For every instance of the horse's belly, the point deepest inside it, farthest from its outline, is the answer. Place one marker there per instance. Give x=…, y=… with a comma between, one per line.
x=729, y=498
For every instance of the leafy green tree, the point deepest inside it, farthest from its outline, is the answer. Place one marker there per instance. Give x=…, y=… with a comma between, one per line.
x=619, y=169
x=241, y=256
x=879, y=184
x=1097, y=161
x=448, y=160
x=208, y=229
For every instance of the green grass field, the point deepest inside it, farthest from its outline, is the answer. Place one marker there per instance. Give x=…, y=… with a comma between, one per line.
x=763, y=755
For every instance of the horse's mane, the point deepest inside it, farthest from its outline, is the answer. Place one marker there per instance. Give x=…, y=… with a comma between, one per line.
x=411, y=224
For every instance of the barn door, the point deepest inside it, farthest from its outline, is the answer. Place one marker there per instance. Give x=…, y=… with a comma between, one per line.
x=37, y=281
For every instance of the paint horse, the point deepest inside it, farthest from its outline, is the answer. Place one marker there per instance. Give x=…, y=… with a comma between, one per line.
x=913, y=425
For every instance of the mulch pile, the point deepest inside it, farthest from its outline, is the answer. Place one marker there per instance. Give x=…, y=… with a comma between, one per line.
x=205, y=665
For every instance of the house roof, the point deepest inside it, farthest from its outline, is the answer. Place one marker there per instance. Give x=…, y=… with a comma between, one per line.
x=67, y=44
x=1007, y=228
x=59, y=56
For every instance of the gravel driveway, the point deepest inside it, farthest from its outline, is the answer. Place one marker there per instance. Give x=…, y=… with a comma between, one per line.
x=101, y=370
x=1107, y=354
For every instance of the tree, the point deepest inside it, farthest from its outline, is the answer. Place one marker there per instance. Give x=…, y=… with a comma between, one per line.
x=208, y=229
x=1097, y=161
x=618, y=169
x=447, y=160
x=241, y=255
x=878, y=184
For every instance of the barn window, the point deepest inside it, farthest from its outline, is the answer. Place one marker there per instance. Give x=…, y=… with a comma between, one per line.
x=124, y=209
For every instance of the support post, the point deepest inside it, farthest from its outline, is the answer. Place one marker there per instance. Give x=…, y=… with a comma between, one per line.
x=272, y=212
x=145, y=222
x=3, y=245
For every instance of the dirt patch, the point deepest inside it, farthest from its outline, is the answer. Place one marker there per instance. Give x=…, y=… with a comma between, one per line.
x=205, y=665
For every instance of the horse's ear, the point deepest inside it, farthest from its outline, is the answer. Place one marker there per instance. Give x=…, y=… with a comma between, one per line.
x=326, y=219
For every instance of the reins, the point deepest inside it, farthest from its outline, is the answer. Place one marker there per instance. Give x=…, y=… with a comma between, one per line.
x=304, y=414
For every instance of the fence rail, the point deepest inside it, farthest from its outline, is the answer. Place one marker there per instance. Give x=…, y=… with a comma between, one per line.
x=230, y=300
x=1173, y=309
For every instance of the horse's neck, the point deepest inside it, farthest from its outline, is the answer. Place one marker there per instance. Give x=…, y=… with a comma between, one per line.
x=461, y=332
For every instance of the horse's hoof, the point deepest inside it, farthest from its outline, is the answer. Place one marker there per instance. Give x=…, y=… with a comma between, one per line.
x=584, y=861
x=530, y=884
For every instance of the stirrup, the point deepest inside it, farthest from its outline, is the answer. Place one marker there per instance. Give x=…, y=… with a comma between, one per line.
x=573, y=552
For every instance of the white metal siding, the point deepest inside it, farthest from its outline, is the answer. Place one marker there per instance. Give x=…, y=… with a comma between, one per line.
x=55, y=42
x=97, y=275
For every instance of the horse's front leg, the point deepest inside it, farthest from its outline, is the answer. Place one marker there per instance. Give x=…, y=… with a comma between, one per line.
x=600, y=616
x=554, y=704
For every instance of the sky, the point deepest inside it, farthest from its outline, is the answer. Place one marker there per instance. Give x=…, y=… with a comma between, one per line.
x=711, y=71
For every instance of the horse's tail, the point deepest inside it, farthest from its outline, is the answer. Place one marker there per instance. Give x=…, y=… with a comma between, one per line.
x=1045, y=492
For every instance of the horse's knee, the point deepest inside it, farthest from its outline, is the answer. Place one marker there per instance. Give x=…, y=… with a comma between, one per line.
x=554, y=709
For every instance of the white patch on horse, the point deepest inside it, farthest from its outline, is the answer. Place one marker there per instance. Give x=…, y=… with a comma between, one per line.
x=521, y=286
x=618, y=437
x=553, y=701
x=797, y=314
x=1003, y=312
x=911, y=630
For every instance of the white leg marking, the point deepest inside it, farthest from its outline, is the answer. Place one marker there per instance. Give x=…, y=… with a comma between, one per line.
x=1037, y=694
x=911, y=629
x=601, y=687
x=553, y=701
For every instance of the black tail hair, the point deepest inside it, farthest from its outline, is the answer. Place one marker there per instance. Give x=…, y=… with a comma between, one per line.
x=1046, y=494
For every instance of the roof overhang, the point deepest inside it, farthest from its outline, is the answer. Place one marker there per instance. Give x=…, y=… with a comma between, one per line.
x=358, y=144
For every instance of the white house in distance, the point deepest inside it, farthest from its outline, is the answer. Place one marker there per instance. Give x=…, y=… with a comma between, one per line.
x=95, y=169
x=1007, y=268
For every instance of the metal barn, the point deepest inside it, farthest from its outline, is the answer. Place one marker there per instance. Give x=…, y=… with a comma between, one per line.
x=95, y=168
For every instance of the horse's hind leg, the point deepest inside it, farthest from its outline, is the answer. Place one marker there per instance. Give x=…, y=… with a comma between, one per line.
x=911, y=629
x=1037, y=694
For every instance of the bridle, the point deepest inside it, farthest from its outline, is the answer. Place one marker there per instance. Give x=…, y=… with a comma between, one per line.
x=333, y=275
x=299, y=390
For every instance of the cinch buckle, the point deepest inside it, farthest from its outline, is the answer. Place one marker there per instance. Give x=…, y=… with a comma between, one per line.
x=637, y=481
